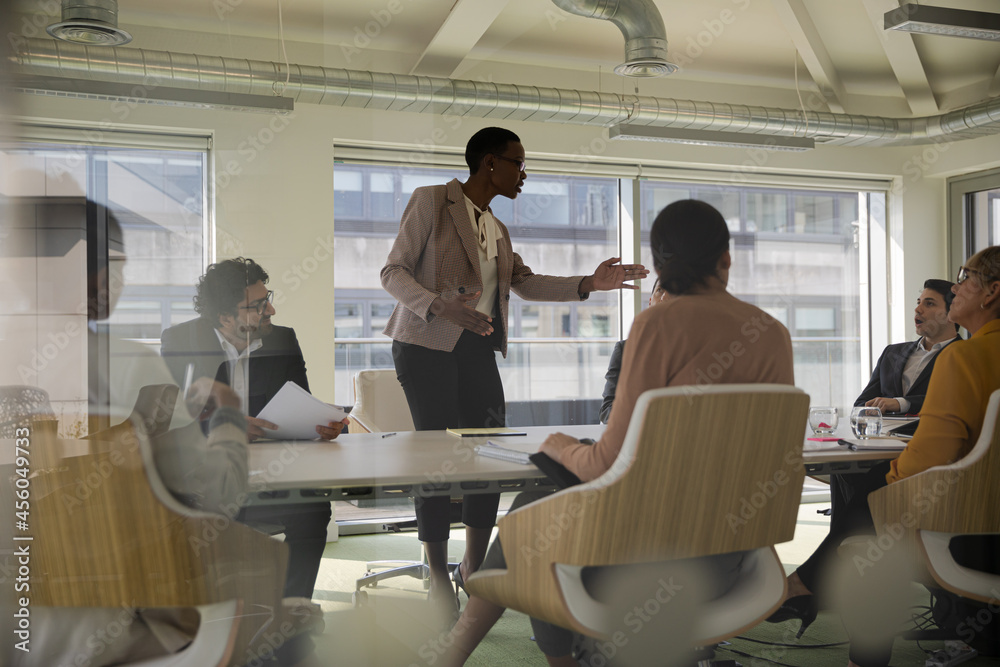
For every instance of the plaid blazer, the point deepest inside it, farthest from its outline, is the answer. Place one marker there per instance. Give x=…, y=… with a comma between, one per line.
x=436, y=254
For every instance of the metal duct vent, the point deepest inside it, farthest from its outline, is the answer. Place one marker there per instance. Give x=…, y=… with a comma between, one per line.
x=90, y=22
x=641, y=25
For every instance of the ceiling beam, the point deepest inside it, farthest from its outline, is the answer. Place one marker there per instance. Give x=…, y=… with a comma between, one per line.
x=806, y=39
x=904, y=60
x=460, y=32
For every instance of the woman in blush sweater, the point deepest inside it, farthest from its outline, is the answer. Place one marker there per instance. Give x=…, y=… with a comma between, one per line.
x=676, y=343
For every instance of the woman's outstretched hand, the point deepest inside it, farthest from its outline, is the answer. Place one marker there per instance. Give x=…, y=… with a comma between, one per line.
x=611, y=275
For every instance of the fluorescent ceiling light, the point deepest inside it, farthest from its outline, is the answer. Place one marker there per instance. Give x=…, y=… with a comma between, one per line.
x=151, y=94
x=709, y=138
x=944, y=21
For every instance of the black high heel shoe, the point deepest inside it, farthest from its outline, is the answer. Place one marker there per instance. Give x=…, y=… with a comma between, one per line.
x=456, y=576
x=802, y=607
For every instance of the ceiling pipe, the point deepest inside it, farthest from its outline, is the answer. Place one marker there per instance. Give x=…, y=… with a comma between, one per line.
x=641, y=25
x=512, y=102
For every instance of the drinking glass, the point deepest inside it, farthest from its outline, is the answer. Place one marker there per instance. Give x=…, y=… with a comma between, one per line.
x=866, y=422
x=823, y=420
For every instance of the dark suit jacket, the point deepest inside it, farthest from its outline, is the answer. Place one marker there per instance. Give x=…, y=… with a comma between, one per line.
x=887, y=378
x=611, y=380
x=276, y=361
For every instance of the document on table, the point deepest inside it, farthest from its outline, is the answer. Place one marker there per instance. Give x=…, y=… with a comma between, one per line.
x=504, y=452
x=485, y=432
x=297, y=413
x=874, y=444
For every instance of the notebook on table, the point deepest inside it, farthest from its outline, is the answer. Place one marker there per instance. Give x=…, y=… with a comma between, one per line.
x=560, y=475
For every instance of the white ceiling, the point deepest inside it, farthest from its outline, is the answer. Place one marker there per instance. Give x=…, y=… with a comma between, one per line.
x=841, y=47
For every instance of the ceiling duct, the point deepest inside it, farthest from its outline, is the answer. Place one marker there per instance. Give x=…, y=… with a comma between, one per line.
x=308, y=84
x=642, y=27
x=90, y=22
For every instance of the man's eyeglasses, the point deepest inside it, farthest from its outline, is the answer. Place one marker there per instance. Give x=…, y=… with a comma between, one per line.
x=520, y=163
x=963, y=275
x=261, y=304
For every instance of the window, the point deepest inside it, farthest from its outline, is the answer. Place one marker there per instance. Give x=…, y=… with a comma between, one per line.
x=797, y=255
x=559, y=225
x=974, y=215
x=158, y=198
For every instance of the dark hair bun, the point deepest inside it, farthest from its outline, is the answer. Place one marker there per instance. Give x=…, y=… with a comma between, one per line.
x=687, y=239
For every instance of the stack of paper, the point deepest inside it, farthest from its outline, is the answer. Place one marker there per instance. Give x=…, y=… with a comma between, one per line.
x=496, y=451
x=297, y=413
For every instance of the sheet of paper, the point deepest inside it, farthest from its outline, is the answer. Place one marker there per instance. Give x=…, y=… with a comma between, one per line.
x=297, y=413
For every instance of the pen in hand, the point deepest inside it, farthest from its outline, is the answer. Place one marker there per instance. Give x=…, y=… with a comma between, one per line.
x=387, y=435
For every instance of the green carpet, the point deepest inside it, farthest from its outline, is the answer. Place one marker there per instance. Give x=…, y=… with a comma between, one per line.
x=396, y=627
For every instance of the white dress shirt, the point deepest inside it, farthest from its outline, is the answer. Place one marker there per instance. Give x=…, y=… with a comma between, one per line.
x=487, y=232
x=239, y=367
x=915, y=365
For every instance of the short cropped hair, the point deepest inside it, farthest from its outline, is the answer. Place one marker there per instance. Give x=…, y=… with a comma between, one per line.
x=942, y=287
x=486, y=141
x=687, y=239
x=224, y=285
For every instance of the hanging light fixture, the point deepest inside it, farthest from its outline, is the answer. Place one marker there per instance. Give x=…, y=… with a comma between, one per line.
x=929, y=20
x=709, y=137
x=93, y=22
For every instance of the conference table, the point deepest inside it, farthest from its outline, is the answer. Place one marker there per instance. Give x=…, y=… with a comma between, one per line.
x=424, y=463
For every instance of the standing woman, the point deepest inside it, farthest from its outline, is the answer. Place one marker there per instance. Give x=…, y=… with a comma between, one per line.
x=452, y=269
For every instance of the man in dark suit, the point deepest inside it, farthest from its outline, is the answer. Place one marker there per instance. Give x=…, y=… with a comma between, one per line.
x=234, y=342
x=899, y=381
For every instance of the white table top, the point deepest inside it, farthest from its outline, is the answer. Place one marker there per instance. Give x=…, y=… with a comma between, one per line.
x=425, y=457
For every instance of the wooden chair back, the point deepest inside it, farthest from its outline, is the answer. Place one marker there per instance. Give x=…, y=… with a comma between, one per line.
x=962, y=498
x=702, y=471
x=109, y=534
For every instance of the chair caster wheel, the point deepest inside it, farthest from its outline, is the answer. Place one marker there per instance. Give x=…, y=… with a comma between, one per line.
x=359, y=598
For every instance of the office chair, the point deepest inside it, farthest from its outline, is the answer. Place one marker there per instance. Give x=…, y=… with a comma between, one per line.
x=127, y=542
x=966, y=501
x=702, y=471
x=380, y=406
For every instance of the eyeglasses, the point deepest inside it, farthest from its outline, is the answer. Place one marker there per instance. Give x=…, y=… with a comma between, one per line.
x=260, y=305
x=963, y=274
x=519, y=162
